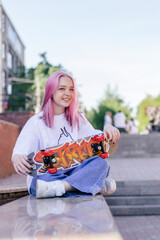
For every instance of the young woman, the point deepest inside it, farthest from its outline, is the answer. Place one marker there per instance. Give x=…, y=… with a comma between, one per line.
x=59, y=121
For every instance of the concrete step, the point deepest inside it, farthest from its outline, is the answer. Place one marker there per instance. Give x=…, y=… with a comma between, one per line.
x=139, y=191
x=133, y=200
x=134, y=205
x=137, y=146
x=137, y=188
x=139, y=210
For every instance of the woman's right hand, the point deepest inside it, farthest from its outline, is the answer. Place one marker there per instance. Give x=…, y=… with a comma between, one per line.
x=21, y=165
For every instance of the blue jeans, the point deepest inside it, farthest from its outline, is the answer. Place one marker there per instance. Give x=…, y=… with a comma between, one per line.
x=88, y=177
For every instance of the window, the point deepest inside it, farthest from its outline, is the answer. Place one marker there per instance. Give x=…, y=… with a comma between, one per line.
x=9, y=89
x=10, y=60
x=3, y=50
x=13, y=38
x=3, y=22
x=3, y=79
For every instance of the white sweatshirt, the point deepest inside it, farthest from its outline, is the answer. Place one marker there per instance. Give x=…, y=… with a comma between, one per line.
x=36, y=135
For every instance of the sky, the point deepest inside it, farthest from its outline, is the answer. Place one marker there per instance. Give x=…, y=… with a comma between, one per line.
x=102, y=42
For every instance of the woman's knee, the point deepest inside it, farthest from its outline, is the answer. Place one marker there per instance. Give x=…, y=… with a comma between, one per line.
x=102, y=163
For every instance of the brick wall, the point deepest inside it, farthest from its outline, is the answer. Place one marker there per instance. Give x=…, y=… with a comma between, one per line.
x=19, y=118
x=8, y=135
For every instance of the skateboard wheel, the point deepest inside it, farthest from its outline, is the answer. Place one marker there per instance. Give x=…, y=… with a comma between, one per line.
x=52, y=170
x=104, y=155
x=99, y=138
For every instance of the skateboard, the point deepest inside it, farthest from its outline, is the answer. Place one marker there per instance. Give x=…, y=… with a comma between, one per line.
x=69, y=155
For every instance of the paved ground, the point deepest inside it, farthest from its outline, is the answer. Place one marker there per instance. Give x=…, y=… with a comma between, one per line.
x=134, y=169
x=139, y=227
x=133, y=228
x=12, y=181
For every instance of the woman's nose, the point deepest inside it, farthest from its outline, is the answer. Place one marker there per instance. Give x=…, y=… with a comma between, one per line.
x=67, y=92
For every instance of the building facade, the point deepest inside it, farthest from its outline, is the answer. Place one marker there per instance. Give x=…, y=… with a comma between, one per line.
x=11, y=56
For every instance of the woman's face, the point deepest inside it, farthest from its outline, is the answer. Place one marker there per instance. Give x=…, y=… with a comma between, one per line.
x=63, y=95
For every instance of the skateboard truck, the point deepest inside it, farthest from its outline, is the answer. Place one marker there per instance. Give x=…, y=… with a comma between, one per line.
x=49, y=159
x=98, y=146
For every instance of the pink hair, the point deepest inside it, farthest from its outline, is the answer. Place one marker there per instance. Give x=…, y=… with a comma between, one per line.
x=71, y=112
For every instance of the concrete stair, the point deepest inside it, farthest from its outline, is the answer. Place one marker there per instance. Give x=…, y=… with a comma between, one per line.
x=137, y=146
x=135, y=198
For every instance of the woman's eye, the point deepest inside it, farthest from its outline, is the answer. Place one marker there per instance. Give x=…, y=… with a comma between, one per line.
x=71, y=89
x=61, y=88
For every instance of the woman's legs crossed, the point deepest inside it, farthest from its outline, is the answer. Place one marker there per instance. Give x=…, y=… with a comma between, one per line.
x=88, y=177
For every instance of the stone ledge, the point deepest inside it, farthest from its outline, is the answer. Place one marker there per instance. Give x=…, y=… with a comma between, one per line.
x=11, y=189
x=13, y=195
x=78, y=218
x=9, y=194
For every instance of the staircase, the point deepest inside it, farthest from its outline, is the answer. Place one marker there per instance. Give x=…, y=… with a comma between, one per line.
x=137, y=146
x=135, y=198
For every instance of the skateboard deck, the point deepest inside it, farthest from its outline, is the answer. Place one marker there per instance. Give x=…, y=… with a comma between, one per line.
x=70, y=154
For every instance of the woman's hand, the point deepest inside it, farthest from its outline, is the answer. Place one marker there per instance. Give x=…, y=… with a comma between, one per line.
x=21, y=165
x=111, y=132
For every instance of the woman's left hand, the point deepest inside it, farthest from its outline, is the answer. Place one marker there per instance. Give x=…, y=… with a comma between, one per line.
x=111, y=132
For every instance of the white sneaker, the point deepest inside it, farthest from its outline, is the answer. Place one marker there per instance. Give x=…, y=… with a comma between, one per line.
x=109, y=186
x=49, y=189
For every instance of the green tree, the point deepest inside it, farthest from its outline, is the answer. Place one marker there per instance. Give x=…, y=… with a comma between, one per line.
x=111, y=102
x=41, y=73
